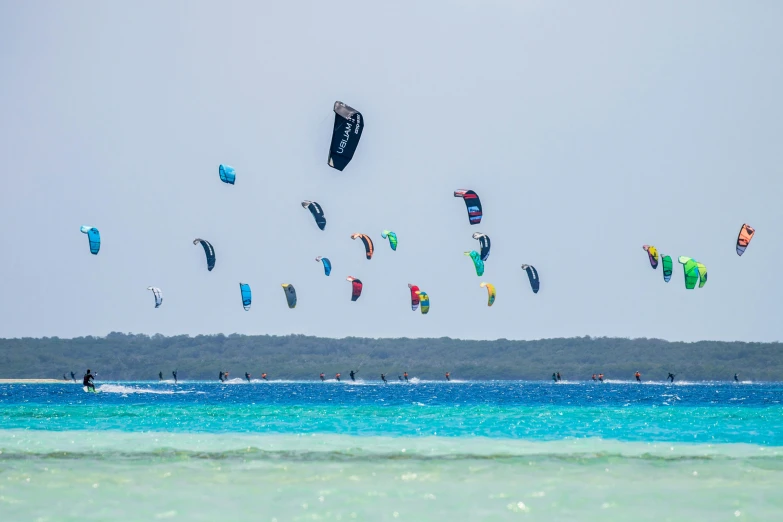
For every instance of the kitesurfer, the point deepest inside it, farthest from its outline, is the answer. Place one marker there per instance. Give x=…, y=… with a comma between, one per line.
x=671, y=377
x=353, y=375
x=87, y=381
x=337, y=376
x=554, y=377
x=405, y=374
x=322, y=377
x=736, y=378
x=247, y=376
x=448, y=376
x=174, y=373
x=160, y=376
x=558, y=376
x=73, y=376
x=263, y=376
x=221, y=376
x=400, y=377
x=601, y=377
x=638, y=377
x=225, y=376
x=65, y=377
x=383, y=378
x=593, y=376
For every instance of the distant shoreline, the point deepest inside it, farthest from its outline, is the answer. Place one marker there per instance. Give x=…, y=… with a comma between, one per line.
x=34, y=381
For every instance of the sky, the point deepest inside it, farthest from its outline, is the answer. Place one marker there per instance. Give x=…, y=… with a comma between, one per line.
x=587, y=128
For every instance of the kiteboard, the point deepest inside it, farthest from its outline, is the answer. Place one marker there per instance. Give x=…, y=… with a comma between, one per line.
x=88, y=390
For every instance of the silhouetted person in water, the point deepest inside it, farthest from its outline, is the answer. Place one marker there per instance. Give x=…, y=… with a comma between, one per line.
x=448, y=376
x=247, y=376
x=337, y=376
x=736, y=378
x=405, y=374
x=353, y=375
x=220, y=376
x=400, y=377
x=225, y=375
x=558, y=376
x=554, y=377
x=671, y=377
x=322, y=377
x=263, y=376
x=73, y=376
x=160, y=376
x=593, y=376
x=87, y=381
x=638, y=377
x=601, y=377
x=65, y=377
x=174, y=373
x=383, y=378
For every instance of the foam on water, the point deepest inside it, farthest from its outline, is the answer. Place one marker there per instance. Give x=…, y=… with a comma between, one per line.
x=126, y=390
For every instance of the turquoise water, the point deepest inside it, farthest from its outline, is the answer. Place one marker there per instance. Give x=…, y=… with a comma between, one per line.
x=367, y=451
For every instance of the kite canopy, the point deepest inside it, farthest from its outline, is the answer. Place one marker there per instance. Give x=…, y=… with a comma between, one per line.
x=743, y=240
x=356, y=287
x=702, y=274
x=691, y=269
x=484, y=243
x=392, y=238
x=414, y=296
x=652, y=253
x=473, y=204
x=532, y=275
x=477, y=262
x=94, y=237
x=327, y=264
x=290, y=294
x=246, y=296
x=208, y=251
x=368, y=246
x=317, y=212
x=667, y=268
x=491, y=294
x=425, y=301
x=348, y=128
x=227, y=174
x=158, y=295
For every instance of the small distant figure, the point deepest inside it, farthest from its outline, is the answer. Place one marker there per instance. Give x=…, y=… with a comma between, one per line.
x=353, y=375
x=405, y=374
x=558, y=376
x=337, y=376
x=638, y=377
x=263, y=376
x=736, y=378
x=65, y=377
x=322, y=377
x=671, y=377
x=593, y=376
x=221, y=376
x=448, y=376
x=174, y=373
x=73, y=376
x=383, y=378
x=160, y=376
x=554, y=377
x=400, y=377
x=87, y=381
x=601, y=377
x=247, y=376
x=225, y=376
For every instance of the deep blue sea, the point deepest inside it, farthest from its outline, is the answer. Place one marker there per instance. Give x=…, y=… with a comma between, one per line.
x=422, y=450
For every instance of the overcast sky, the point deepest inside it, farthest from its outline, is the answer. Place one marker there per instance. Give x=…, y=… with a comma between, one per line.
x=587, y=128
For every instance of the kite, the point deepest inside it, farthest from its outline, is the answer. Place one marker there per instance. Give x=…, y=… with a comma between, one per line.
x=290, y=295
x=473, y=204
x=691, y=269
x=702, y=274
x=208, y=250
x=227, y=174
x=414, y=296
x=425, y=301
x=477, y=262
x=317, y=212
x=392, y=238
x=743, y=240
x=348, y=128
x=356, y=287
x=246, y=296
x=532, y=274
x=491, y=294
x=484, y=242
x=327, y=264
x=158, y=295
x=368, y=246
x=652, y=253
x=667, y=268
x=94, y=237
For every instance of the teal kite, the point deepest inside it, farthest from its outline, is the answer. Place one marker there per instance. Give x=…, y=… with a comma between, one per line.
x=477, y=262
x=392, y=238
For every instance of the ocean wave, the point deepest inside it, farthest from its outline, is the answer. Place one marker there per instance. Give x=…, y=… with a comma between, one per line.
x=126, y=390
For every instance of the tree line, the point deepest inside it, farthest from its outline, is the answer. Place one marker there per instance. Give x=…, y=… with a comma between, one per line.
x=121, y=356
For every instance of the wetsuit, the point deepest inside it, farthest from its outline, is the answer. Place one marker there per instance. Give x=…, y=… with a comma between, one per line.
x=448, y=378
x=383, y=378
x=593, y=376
x=601, y=377
x=671, y=377
x=247, y=376
x=638, y=377
x=405, y=374
x=263, y=376
x=160, y=376
x=353, y=375
x=87, y=381
x=337, y=377
x=736, y=379
x=174, y=373
x=220, y=376
x=558, y=376
x=322, y=377
x=554, y=377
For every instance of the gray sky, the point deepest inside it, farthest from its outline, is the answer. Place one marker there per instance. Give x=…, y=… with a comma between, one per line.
x=587, y=129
